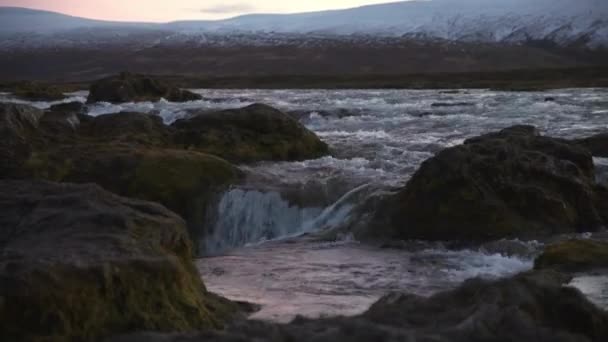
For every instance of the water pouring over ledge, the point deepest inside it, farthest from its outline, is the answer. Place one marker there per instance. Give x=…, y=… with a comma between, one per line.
x=378, y=138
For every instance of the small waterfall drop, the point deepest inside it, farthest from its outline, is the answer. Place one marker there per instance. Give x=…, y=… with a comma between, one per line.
x=246, y=216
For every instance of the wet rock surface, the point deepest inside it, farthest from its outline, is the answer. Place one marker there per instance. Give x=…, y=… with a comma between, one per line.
x=513, y=183
x=527, y=307
x=256, y=132
x=79, y=263
x=136, y=154
x=36, y=91
x=128, y=87
x=574, y=256
x=596, y=144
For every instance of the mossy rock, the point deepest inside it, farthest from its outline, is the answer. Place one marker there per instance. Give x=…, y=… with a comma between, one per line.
x=254, y=133
x=184, y=181
x=574, y=256
x=128, y=87
x=35, y=91
x=126, y=127
x=19, y=131
x=78, y=263
x=510, y=184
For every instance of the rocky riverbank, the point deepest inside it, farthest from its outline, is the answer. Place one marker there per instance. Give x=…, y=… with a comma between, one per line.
x=80, y=262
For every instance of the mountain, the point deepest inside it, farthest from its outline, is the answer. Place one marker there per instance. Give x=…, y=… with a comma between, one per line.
x=564, y=22
x=23, y=20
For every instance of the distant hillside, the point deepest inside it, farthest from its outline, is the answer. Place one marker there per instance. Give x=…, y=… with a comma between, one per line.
x=563, y=22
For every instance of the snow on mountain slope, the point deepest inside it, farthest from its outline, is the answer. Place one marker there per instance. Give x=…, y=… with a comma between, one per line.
x=562, y=21
x=566, y=22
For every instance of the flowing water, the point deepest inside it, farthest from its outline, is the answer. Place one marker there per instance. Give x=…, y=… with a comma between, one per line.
x=258, y=246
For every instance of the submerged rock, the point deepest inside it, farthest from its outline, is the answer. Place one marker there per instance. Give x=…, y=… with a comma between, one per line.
x=597, y=144
x=574, y=256
x=254, y=133
x=529, y=307
x=128, y=87
x=514, y=183
x=70, y=107
x=78, y=263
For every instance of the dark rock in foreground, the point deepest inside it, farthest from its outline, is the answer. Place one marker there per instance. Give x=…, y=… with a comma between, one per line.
x=128, y=87
x=529, y=307
x=254, y=133
x=78, y=263
x=597, y=144
x=574, y=256
x=514, y=183
x=18, y=127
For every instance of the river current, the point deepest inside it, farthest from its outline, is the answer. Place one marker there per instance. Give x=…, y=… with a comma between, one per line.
x=260, y=247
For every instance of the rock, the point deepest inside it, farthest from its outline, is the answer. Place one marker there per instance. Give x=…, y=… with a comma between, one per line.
x=574, y=256
x=18, y=126
x=69, y=107
x=35, y=91
x=549, y=99
x=184, y=181
x=128, y=87
x=128, y=127
x=597, y=144
x=56, y=125
x=254, y=133
x=531, y=307
x=513, y=183
x=78, y=263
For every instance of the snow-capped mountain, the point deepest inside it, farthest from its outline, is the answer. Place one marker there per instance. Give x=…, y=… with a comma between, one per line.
x=565, y=22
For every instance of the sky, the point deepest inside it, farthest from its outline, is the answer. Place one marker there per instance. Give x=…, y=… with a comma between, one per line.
x=169, y=10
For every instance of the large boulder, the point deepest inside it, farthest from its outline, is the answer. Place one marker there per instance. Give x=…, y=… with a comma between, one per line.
x=532, y=307
x=184, y=181
x=513, y=183
x=128, y=87
x=78, y=263
x=574, y=256
x=596, y=144
x=254, y=133
x=127, y=127
x=18, y=129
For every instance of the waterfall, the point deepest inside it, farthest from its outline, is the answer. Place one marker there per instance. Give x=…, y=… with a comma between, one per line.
x=246, y=216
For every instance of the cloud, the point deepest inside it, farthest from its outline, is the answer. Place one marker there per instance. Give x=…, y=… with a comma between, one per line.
x=241, y=7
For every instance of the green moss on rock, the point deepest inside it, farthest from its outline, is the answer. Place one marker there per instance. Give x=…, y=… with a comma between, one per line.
x=574, y=256
x=36, y=91
x=512, y=183
x=254, y=133
x=79, y=263
x=128, y=87
x=184, y=181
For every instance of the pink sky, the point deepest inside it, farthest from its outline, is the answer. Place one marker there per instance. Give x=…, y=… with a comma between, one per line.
x=168, y=10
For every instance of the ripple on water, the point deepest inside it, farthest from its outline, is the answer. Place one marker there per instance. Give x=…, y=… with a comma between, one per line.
x=345, y=278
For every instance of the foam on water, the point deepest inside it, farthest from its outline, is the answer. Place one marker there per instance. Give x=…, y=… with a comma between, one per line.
x=593, y=286
x=71, y=97
x=378, y=138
